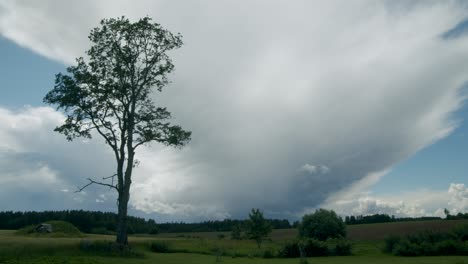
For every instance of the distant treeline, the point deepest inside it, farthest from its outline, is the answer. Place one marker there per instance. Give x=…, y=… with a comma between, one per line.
x=457, y=216
x=384, y=218
x=85, y=221
x=105, y=222
x=219, y=226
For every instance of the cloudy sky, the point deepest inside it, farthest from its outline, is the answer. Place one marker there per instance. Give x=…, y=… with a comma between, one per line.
x=357, y=107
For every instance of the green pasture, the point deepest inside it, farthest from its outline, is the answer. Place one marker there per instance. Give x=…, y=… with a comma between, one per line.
x=193, y=248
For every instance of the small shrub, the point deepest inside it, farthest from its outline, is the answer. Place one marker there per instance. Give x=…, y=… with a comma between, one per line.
x=290, y=250
x=340, y=247
x=449, y=247
x=314, y=248
x=430, y=243
x=390, y=243
x=159, y=247
x=428, y=249
x=268, y=253
x=219, y=252
x=236, y=233
x=406, y=248
x=461, y=232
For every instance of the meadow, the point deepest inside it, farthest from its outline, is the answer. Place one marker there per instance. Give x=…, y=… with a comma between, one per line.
x=212, y=247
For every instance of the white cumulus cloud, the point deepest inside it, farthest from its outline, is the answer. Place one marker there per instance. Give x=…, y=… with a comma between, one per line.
x=355, y=86
x=422, y=202
x=458, y=194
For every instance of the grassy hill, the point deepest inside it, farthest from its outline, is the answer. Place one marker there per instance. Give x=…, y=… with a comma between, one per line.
x=60, y=229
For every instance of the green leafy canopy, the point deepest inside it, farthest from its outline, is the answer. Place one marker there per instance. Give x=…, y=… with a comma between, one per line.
x=321, y=225
x=111, y=90
x=258, y=227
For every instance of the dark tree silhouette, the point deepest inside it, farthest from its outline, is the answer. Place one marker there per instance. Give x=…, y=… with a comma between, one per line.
x=258, y=227
x=322, y=224
x=110, y=91
x=236, y=232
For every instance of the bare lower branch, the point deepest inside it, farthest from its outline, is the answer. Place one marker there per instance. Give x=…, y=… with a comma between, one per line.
x=112, y=177
x=82, y=188
x=91, y=182
x=108, y=177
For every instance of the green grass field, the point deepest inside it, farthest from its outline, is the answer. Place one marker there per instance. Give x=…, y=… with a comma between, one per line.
x=16, y=248
x=354, y=232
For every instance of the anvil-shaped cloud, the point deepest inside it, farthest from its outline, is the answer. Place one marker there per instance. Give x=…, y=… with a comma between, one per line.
x=288, y=102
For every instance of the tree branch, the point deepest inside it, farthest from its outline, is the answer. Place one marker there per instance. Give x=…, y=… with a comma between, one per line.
x=140, y=143
x=108, y=177
x=91, y=182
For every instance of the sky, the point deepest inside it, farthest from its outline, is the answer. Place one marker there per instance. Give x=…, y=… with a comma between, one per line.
x=356, y=107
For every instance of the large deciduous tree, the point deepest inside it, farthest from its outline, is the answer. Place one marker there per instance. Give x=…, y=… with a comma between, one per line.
x=321, y=225
x=110, y=93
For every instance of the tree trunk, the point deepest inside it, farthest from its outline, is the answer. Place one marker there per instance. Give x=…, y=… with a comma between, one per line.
x=124, y=191
x=124, y=197
x=122, y=236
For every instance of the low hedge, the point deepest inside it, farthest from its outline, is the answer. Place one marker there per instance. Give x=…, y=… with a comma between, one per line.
x=430, y=243
x=313, y=248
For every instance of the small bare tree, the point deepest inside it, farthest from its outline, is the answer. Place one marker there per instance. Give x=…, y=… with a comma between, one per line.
x=110, y=93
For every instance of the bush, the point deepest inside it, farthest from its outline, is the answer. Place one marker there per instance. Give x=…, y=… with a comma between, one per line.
x=390, y=243
x=407, y=248
x=268, y=253
x=461, y=232
x=321, y=225
x=449, y=247
x=290, y=250
x=315, y=248
x=159, y=247
x=341, y=247
x=236, y=233
x=430, y=243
